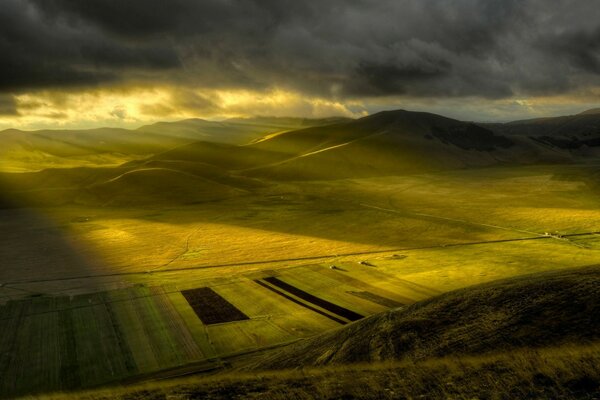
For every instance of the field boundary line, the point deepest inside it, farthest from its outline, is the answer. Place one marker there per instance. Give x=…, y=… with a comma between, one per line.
x=409, y=213
x=307, y=258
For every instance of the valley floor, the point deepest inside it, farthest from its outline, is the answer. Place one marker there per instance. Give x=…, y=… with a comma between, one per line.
x=93, y=295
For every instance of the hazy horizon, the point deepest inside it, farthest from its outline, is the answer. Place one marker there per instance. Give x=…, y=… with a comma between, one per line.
x=132, y=126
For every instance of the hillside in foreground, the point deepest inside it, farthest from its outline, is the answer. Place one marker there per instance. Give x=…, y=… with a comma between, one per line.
x=532, y=311
x=555, y=373
x=529, y=337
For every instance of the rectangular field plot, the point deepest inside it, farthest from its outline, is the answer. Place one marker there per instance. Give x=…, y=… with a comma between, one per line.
x=153, y=328
x=62, y=343
x=300, y=303
x=336, y=291
x=68, y=343
x=375, y=298
x=374, y=280
x=211, y=308
x=260, y=303
x=240, y=337
x=310, y=298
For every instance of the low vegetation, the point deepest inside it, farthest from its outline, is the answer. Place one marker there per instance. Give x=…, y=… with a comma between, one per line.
x=531, y=311
x=547, y=373
x=534, y=336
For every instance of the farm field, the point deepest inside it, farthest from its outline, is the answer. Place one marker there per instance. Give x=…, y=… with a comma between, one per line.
x=279, y=265
x=109, y=337
x=291, y=224
x=154, y=328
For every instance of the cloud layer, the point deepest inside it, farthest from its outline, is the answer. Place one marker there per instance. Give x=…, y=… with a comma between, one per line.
x=340, y=50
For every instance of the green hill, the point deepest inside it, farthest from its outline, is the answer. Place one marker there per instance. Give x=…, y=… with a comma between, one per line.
x=391, y=143
x=395, y=143
x=152, y=182
x=387, y=143
x=156, y=186
x=534, y=311
x=29, y=151
x=573, y=134
x=221, y=155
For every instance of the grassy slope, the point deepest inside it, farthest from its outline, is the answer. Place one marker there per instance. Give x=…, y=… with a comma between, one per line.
x=146, y=182
x=157, y=185
x=222, y=155
x=531, y=311
x=576, y=133
x=393, y=143
x=383, y=144
x=31, y=151
x=528, y=337
x=554, y=373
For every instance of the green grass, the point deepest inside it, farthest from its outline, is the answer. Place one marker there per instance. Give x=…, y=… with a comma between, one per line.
x=259, y=303
x=195, y=216
x=105, y=337
x=51, y=343
x=557, y=373
x=32, y=151
x=57, y=342
x=529, y=311
x=296, y=224
x=285, y=222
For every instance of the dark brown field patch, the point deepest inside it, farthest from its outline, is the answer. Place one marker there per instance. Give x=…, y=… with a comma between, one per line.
x=333, y=308
x=377, y=299
x=211, y=308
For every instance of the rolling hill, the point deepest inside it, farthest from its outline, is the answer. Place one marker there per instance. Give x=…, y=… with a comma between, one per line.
x=156, y=186
x=247, y=154
x=577, y=134
x=30, y=151
x=141, y=183
x=402, y=142
x=549, y=309
x=387, y=143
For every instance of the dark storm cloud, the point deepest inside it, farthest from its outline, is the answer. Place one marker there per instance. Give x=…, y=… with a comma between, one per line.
x=40, y=50
x=580, y=47
x=337, y=48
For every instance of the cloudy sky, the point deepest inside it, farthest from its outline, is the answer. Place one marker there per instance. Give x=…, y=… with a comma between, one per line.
x=86, y=63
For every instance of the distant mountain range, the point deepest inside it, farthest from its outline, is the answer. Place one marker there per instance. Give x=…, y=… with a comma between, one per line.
x=196, y=160
x=396, y=143
x=26, y=151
